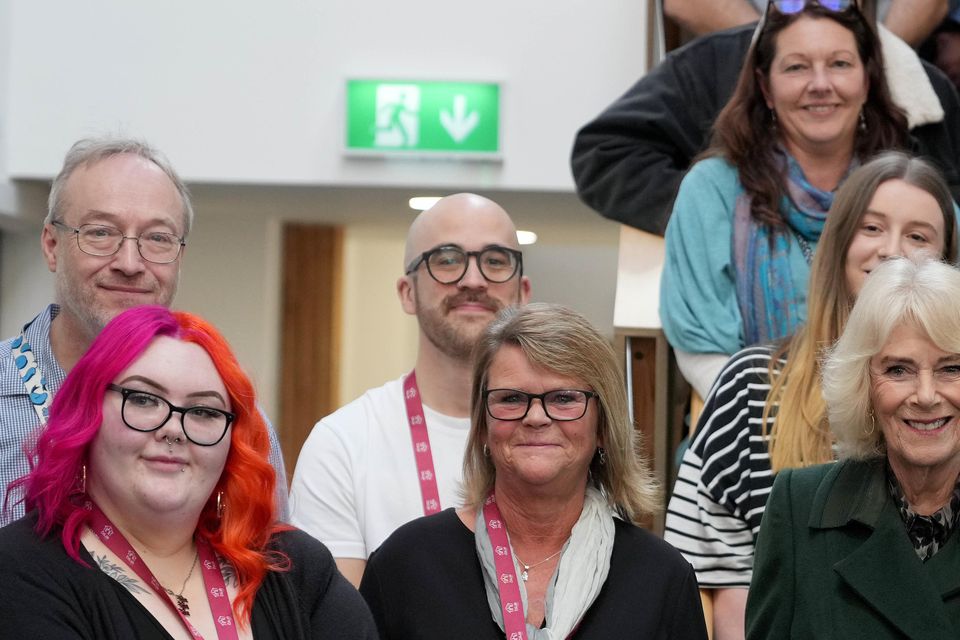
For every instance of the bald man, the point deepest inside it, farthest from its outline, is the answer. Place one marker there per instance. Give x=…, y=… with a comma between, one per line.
x=395, y=453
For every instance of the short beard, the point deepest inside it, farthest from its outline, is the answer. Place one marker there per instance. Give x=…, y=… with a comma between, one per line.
x=84, y=317
x=456, y=342
x=444, y=336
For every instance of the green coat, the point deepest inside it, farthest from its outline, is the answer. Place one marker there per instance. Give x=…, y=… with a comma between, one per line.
x=833, y=560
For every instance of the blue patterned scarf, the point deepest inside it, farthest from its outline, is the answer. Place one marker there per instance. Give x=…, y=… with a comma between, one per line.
x=769, y=303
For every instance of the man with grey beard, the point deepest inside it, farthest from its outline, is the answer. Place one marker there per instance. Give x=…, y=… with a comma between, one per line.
x=395, y=453
x=115, y=234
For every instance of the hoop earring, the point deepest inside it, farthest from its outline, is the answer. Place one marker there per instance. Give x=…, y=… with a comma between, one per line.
x=486, y=451
x=873, y=425
x=602, y=454
x=221, y=505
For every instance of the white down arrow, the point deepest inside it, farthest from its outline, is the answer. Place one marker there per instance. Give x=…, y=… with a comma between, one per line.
x=459, y=124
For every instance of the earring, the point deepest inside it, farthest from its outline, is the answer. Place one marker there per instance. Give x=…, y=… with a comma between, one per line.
x=602, y=454
x=873, y=425
x=486, y=451
x=773, y=117
x=863, y=122
x=83, y=479
x=221, y=505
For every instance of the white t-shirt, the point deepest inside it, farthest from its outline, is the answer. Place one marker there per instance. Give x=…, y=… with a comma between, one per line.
x=356, y=479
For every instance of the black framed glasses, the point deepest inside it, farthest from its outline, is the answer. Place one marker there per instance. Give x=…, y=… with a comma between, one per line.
x=103, y=240
x=448, y=264
x=559, y=404
x=144, y=411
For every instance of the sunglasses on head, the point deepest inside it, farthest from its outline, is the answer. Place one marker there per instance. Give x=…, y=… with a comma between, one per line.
x=790, y=7
x=796, y=6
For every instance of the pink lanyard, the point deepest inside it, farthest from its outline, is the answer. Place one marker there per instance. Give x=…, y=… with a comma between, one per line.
x=212, y=577
x=421, y=445
x=514, y=621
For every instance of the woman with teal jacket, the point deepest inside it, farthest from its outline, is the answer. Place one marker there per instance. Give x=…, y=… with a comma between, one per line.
x=811, y=103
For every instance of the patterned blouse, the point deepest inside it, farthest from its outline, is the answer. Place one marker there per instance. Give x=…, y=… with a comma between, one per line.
x=927, y=533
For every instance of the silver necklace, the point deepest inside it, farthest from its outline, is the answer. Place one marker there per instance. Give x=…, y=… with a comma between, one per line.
x=527, y=567
x=183, y=605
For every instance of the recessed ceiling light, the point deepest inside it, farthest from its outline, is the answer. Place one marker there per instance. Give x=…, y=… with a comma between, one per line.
x=526, y=237
x=422, y=203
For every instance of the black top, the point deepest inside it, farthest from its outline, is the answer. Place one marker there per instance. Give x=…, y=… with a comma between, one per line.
x=426, y=582
x=628, y=162
x=46, y=594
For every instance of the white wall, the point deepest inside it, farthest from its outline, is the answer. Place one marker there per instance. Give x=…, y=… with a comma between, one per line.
x=247, y=97
x=247, y=91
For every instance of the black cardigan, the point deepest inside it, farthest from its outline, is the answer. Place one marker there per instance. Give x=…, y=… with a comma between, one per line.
x=44, y=593
x=425, y=582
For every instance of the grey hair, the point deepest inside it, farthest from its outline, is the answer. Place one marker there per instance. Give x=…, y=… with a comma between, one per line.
x=920, y=291
x=92, y=150
x=561, y=340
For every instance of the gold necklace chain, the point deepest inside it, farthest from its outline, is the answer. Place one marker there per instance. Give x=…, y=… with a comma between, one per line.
x=183, y=605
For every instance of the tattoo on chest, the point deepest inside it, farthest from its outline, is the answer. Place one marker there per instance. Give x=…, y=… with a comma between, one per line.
x=229, y=575
x=116, y=572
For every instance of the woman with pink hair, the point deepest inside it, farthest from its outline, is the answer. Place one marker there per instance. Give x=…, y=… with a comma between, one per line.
x=150, y=510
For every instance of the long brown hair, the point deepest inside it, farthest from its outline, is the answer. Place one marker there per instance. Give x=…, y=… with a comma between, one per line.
x=741, y=133
x=800, y=435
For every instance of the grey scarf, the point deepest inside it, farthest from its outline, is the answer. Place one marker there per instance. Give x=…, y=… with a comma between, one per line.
x=581, y=571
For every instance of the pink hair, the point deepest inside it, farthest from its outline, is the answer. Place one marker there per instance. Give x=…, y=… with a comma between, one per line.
x=247, y=482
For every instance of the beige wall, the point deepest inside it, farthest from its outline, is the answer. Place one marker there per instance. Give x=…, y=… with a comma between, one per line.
x=379, y=340
x=231, y=272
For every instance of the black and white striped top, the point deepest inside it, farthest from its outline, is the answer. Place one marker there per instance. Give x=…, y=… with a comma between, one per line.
x=714, y=514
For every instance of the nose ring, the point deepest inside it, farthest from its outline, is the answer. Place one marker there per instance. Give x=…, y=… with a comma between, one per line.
x=169, y=443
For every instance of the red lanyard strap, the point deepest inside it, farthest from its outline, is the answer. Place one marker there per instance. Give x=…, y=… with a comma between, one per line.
x=421, y=445
x=214, y=585
x=511, y=603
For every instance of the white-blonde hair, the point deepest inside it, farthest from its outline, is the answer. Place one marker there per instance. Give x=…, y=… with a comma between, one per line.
x=920, y=291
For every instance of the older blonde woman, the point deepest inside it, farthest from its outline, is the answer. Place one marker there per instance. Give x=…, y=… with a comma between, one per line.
x=866, y=548
x=537, y=551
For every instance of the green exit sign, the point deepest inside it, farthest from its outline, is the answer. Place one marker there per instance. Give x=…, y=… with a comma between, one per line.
x=423, y=118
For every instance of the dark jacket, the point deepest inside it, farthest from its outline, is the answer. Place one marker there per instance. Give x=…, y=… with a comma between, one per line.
x=426, y=582
x=47, y=595
x=834, y=560
x=628, y=162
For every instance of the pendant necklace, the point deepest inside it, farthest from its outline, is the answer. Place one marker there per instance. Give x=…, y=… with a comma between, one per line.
x=183, y=605
x=527, y=567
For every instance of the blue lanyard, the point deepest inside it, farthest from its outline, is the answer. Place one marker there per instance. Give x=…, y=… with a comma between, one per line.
x=29, y=371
